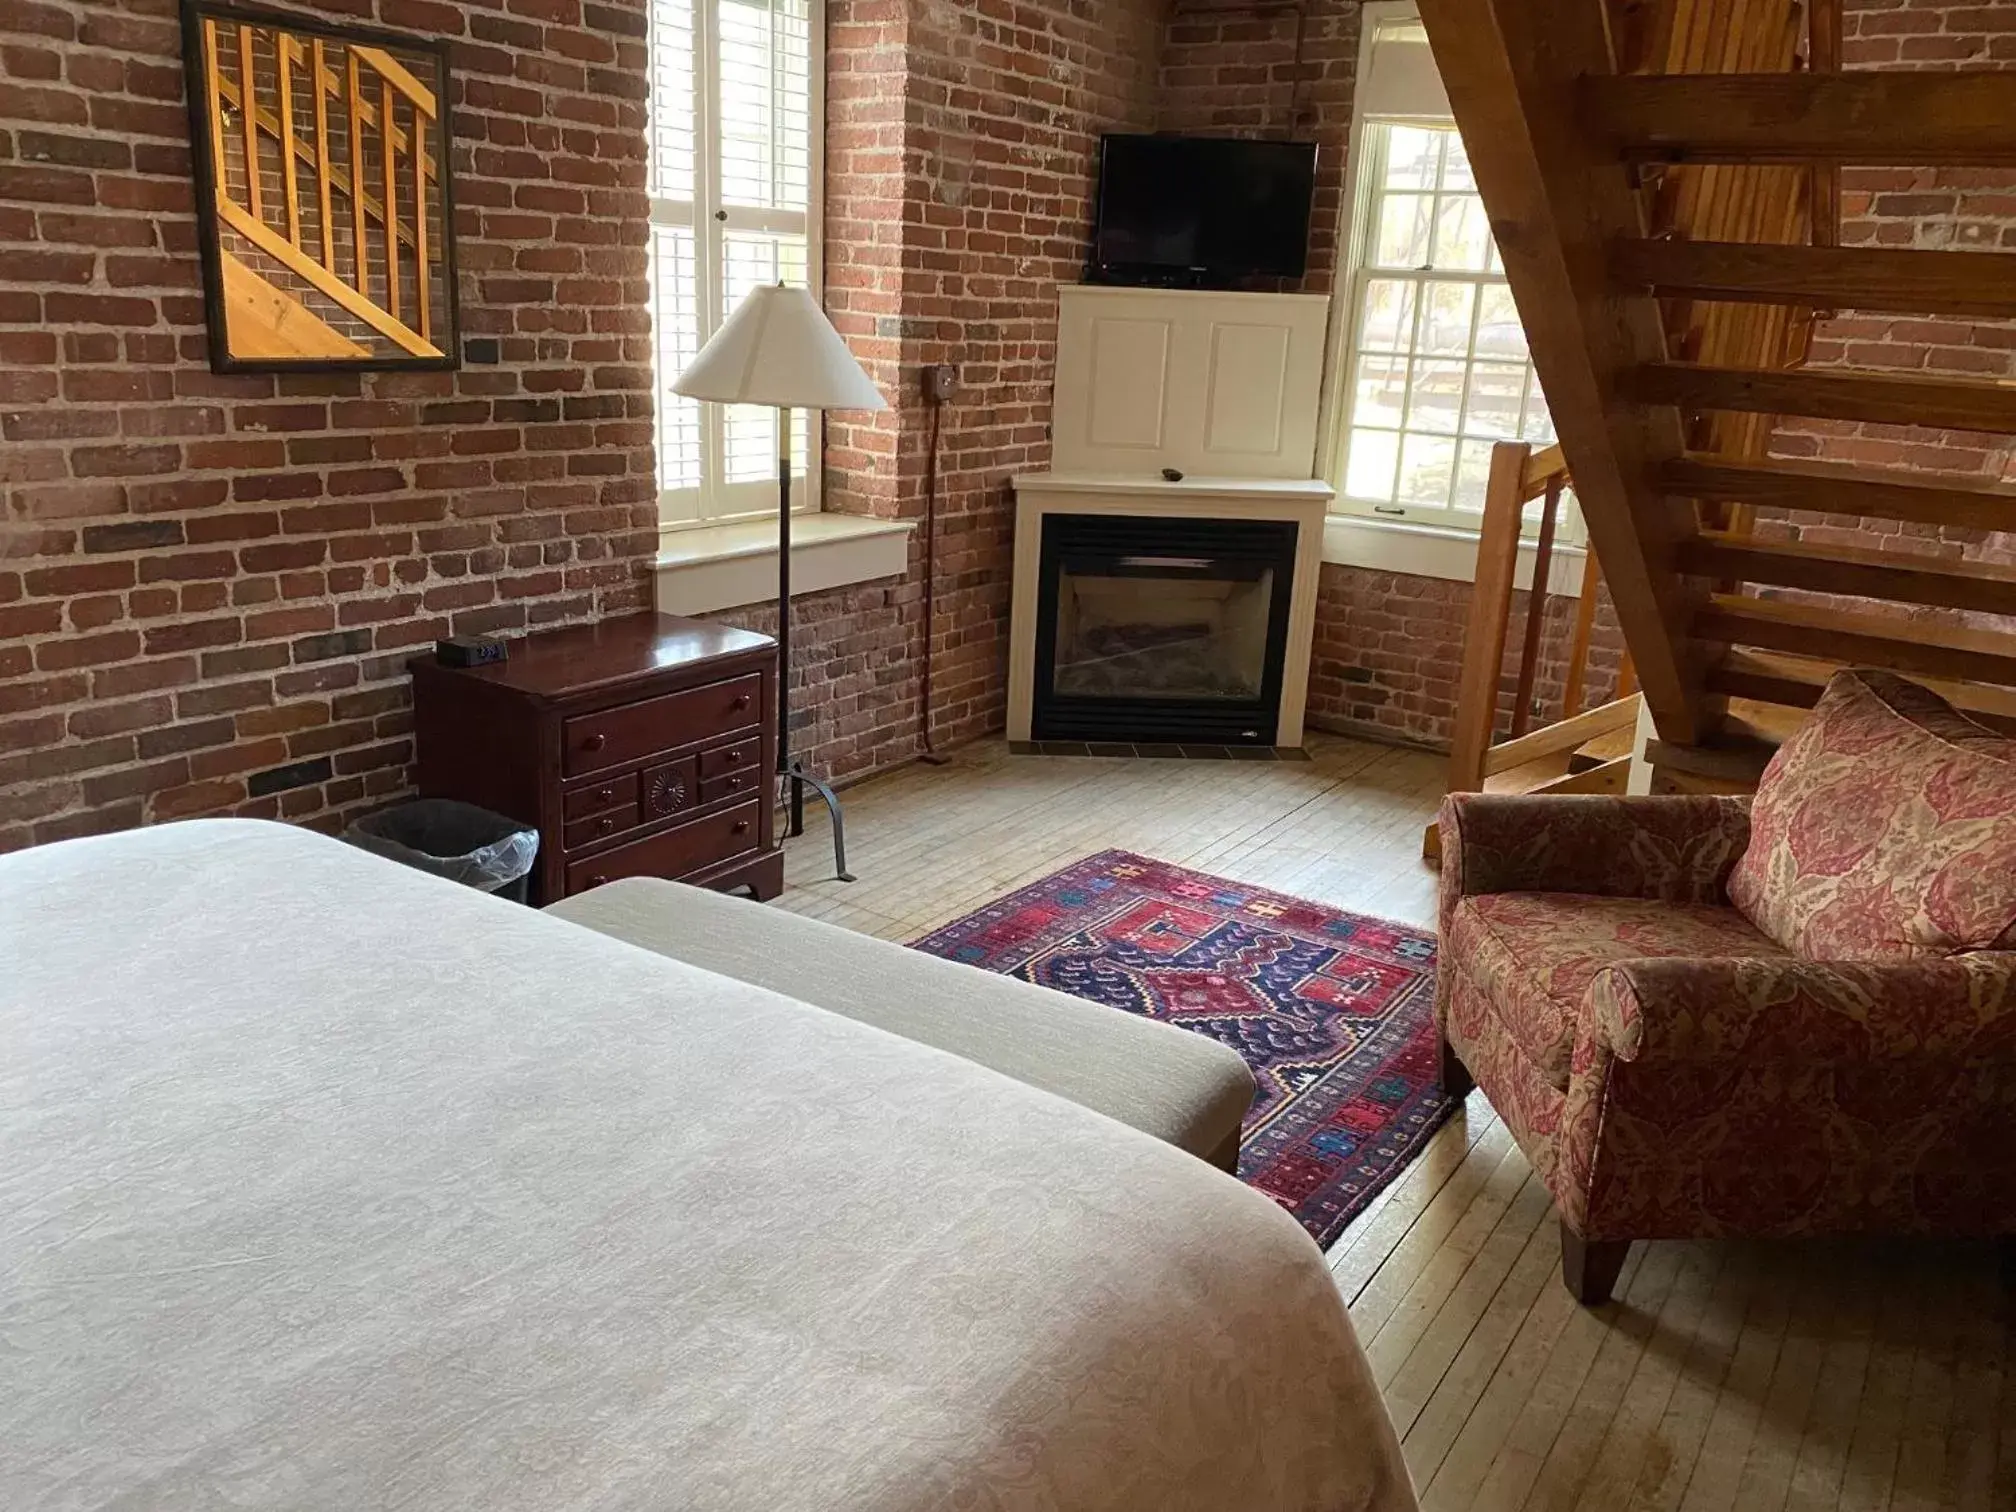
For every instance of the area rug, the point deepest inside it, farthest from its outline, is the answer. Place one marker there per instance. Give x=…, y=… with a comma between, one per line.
x=1333, y=1011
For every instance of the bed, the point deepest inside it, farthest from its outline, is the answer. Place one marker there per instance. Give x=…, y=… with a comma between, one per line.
x=324, y=1184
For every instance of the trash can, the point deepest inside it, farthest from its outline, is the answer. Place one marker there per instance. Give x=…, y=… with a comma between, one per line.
x=458, y=841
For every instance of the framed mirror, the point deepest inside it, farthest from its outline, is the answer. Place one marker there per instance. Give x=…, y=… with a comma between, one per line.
x=322, y=186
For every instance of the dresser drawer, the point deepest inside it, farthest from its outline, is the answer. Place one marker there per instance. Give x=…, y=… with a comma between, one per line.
x=602, y=797
x=714, y=789
x=588, y=830
x=743, y=756
x=674, y=852
x=590, y=742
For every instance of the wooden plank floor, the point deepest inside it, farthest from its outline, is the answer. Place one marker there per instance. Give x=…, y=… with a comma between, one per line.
x=1871, y=1376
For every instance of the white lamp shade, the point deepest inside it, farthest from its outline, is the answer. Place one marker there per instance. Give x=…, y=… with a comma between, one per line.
x=779, y=348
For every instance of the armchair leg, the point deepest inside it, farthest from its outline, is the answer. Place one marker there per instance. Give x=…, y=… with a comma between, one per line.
x=1456, y=1078
x=1590, y=1268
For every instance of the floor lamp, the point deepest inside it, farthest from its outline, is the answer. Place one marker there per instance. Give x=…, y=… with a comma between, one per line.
x=778, y=348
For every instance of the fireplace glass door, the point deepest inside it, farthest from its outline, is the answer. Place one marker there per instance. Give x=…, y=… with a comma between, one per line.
x=1158, y=629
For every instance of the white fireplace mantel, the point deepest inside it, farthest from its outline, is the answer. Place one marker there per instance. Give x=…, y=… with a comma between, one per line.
x=1305, y=501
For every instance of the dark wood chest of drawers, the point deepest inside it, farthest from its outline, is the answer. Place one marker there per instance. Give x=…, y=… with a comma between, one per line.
x=639, y=746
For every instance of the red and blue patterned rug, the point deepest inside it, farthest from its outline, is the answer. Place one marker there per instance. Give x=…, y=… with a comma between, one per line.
x=1333, y=1011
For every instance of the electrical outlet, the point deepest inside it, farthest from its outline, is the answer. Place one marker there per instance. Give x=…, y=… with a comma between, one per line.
x=941, y=382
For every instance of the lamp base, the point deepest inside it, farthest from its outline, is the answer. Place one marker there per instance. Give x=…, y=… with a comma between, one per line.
x=801, y=779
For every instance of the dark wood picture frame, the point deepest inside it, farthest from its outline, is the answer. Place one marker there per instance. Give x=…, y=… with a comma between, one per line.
x=260, y=321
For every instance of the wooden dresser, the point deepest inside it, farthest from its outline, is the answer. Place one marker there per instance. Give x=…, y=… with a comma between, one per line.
x=640, y=746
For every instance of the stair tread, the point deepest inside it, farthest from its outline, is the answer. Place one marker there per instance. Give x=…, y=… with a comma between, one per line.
x=1825, y=551
x=1757, y=677
x=1860, y=571
x=1830, y=488
x=1866, y=116
x=1854, y=278
x=1831, y=394
x=1915, y=645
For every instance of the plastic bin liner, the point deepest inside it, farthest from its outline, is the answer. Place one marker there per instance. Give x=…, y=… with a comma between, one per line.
x=458, y=841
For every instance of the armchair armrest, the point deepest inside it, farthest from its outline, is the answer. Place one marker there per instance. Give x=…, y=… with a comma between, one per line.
x=1783, y=1009
x=1677, y=849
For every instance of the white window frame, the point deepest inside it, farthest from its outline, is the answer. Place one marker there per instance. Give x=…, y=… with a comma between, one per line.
x=1365, y=169
x=717, y=502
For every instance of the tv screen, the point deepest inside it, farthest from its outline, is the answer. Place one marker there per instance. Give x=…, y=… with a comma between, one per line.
x=1177, y=209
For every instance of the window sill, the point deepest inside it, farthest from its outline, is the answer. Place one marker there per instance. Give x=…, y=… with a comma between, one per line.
x=726, y=566
x=1435, y=551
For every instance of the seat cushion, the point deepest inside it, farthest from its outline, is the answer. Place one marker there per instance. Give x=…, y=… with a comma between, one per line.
x=1884, y=830
x=1181, y=1087
x=1533, y=955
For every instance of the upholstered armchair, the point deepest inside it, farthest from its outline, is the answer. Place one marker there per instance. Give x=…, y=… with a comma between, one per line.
x=1694, y=1030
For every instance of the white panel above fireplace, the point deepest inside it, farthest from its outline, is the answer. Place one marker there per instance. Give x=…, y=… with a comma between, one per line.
x=1129, y=391
x=1212, y=384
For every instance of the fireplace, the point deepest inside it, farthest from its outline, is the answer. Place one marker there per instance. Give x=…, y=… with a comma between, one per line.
x=1157, y=629
x=1163, y=613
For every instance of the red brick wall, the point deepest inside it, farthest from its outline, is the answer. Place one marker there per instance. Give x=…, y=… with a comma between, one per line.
x=208, y=585
x=959, y=194
x=1273, y=71
x=1972, y=210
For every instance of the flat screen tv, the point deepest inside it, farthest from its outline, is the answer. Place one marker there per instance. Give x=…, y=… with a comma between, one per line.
x=1201, y=210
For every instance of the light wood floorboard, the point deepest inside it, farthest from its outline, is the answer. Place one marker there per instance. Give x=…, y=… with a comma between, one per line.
x=1866, y=1376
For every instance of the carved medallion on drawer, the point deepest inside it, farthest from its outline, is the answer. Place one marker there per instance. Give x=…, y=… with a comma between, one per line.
x=670, y=788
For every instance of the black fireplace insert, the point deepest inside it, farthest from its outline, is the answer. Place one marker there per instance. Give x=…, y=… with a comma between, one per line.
x=1150, y=628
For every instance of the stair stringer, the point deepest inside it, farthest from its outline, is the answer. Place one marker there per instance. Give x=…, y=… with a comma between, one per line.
x=1510, y=69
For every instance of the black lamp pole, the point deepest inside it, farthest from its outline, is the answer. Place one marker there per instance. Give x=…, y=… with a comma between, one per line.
x=788, y=770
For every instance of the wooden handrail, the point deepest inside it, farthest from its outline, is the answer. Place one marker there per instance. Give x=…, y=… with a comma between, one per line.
x=1518, y=475
x=333, y=86
x=396, y=74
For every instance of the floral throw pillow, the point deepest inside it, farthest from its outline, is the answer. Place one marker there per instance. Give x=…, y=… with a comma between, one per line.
x=1884, y=830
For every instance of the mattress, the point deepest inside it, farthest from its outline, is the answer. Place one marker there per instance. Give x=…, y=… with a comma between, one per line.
x=325, y=1184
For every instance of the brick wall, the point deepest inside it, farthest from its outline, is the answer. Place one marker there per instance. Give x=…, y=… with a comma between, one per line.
x=208, y=585
x=1270, y=71
x=1964, y=210
x=959, y=194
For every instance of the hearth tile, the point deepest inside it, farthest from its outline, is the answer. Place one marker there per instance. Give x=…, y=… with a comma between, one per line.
x=1022, y=748
x=1291, y=753
x=1109, y=748
x=1062, y=748
x=1206, y=752
x=1251, y=753
x=1160, y=752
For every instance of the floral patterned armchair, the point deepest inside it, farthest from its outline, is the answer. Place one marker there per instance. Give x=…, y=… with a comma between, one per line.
x=1696, y=1027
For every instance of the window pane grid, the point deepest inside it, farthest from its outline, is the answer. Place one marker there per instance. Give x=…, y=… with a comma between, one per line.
x=673, y=145
x=676, y=342
x=1439, y=368
x=766, y=94
x=731, y=179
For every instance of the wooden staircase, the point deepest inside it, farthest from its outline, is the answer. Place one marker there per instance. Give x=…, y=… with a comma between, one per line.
x=329, y=233
x=1662, y=177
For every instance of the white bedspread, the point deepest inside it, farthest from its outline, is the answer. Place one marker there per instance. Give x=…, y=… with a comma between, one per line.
x=324, y=1185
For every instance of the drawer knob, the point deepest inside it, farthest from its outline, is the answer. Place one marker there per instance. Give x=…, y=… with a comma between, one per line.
x=734, y=757
x=594, y=742
x=741, y=701
x=740, y=827
x=608, y=823
x=597, y=880
x=734, y=783
x=605, y=795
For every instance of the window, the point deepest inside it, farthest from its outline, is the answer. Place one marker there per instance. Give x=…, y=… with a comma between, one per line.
x=1434, y=368
x=734, y=180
